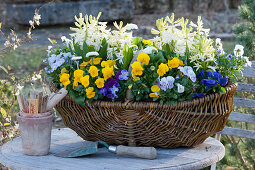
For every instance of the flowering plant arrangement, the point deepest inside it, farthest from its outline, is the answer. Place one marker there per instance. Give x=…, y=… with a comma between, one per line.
x=180, y=63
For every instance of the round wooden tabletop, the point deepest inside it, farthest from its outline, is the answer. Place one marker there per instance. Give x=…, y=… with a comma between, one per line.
x=203, y=155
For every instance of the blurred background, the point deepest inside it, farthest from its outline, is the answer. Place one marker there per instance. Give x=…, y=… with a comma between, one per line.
x=225, y=19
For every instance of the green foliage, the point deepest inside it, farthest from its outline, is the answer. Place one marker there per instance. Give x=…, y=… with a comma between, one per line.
x=245, y=31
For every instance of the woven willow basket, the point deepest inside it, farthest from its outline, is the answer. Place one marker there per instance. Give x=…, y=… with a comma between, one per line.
x=149, y=123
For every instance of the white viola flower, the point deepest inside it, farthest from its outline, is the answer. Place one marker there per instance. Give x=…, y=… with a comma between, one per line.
x=218, y=43
x=170, y=81
x=19, y=88
x=180, y=88
x=60, y=61
x=65, y=40
x=148, y=50
x=248, y=62
x=132, y=27
x=188, y=71
x=192, y=75
x=76, y=58
x=239, y=50
x=92, y=54
x=163, y=84
x=36, y=77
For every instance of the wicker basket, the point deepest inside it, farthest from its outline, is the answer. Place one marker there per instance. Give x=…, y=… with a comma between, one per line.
x=149, y=123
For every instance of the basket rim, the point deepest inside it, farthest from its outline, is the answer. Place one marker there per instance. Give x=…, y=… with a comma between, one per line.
x=143, y=104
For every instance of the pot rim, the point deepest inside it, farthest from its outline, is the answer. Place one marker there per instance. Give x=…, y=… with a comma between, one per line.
x=36, y=118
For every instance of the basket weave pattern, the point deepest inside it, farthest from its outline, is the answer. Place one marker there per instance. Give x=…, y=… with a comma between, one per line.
x=149, y=123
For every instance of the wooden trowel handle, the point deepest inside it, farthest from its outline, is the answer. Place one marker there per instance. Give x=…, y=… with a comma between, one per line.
x=140, y=152
x=55, y=98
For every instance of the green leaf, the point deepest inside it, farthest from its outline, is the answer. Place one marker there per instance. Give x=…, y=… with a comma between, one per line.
x=85, y=49
x=103, y=50
x=222, y=90
x=80, y=100
x=77, y=49
x=128, y=56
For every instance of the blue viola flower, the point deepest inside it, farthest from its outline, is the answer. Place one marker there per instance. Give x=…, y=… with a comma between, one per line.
x=217, y=75
x=114, y=89
x=209, y=83
x=201, y=75
x=229, y=56
x=124, y=75
x=198, y=95
x=103, y=91
x=208, y=74
x=223, y=81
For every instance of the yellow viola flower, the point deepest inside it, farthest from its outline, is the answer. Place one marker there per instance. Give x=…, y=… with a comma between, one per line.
x=107, y=72
x=100, y=83
x=162, y=69
x=83, y=64
x=90, y=92
x=85, y=81
x=75, y=83
x=64, y=70
x=108, y=63
x=175, y=62
x=136, y=78
x=137, y=69
x=96, y=61
x=155, y=89
x=64, y=78
x=143, y=58
x=78, y=74
x=93, y=71
x=147, y=42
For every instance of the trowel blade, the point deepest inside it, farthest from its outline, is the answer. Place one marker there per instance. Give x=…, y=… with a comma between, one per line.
x=80, y=151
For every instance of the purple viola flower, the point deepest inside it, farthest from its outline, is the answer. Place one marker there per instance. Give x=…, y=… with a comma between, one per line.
x=112, y=96
x=229, y=56
x=220, y=52
x=111, y=82
x=103, y=91
x=198, y=95
x=223, y=81
x=118, y=74
x=209, y=83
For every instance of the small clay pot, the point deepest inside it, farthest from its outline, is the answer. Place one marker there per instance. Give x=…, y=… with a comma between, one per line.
x=35, y=133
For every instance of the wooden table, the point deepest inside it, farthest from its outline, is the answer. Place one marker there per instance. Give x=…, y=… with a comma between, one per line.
x=208, y=153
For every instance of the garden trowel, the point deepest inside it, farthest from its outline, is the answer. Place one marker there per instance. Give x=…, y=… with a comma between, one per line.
x=140, y=152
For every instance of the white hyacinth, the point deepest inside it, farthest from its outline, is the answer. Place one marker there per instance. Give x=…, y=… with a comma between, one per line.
x=132, y=27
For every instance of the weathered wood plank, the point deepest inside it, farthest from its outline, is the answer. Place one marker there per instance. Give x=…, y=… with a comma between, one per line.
x=244, y=102
x=203, y=155
x=242, y=117
x=238, y=132
x=249, y=71
x=246, y=87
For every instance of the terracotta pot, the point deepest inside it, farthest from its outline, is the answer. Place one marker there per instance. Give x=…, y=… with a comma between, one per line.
x=35, y=134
